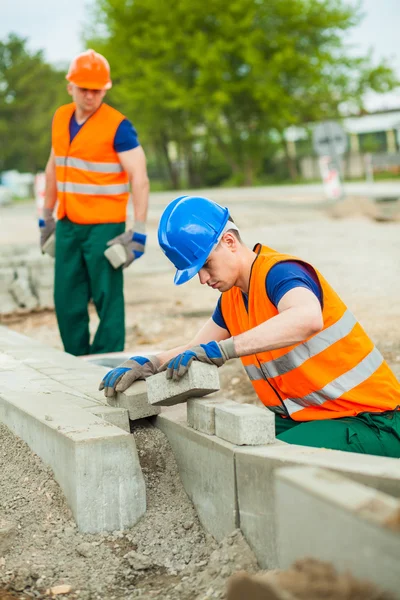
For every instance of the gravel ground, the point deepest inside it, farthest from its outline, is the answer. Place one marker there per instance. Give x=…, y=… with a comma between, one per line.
x=166, y=555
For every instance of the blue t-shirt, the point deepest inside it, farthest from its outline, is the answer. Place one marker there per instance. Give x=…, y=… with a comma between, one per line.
x=283, y=276
x=125, y=138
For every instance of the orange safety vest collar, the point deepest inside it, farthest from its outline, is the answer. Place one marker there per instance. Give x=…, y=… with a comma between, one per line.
x=92, y=186
x=335, y=373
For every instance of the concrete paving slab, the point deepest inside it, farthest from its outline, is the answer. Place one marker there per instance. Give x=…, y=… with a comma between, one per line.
x=244, y=424
x=95, y=463
x=135, y=400
x=201, y=413
x=326, y=516
x=116, y=416
x=255, y=470
x=200, y=380
x=207, y=469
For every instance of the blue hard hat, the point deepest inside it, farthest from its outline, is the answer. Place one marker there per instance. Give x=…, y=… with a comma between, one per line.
x=189, y=229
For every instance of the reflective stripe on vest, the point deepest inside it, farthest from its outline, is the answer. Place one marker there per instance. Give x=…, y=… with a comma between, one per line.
x=85, y=165
x=320, y=342
x=336, y=388
x=93, y=190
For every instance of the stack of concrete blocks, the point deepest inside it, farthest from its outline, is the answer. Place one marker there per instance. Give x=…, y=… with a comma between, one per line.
x=26, y=280
x=21, y=290
x=41, y=273
x=7, y=302
x=326, y=516
x=239, y=424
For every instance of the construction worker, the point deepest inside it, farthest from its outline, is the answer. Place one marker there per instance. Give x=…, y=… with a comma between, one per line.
x=95, y=155
x=308, y=358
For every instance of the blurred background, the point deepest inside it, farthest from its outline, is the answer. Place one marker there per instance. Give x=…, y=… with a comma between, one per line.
x=235, y=99
x=222, y=94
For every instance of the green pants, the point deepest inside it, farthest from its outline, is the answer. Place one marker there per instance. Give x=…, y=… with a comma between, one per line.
x=367, y=433
x=83, y=273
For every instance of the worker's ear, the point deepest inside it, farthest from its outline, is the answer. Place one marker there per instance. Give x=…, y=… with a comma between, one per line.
x=230, y=241
x=69, y=88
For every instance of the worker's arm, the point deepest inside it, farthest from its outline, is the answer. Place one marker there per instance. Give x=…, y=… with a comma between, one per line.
x=209, y=332
x=134, y=164
x=50, y=195
x=299, y=318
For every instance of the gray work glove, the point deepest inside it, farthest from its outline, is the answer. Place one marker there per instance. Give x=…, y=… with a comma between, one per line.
x=213, y=353
x=134, y=242
x=120, y=378
x=47, y=226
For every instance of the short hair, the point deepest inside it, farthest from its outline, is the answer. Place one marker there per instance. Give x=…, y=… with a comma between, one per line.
x=234, y=231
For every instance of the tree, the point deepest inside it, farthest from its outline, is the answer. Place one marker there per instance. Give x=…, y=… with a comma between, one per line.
x=238, y=73
x=30, y=91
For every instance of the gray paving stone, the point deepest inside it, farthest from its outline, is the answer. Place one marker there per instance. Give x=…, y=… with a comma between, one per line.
x=135, y=400
x=244, y=424
x=201, y=413
x=200, y=380
x=116, y=416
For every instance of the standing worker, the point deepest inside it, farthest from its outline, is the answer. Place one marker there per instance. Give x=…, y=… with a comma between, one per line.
x=95, y=155
x=308, y=358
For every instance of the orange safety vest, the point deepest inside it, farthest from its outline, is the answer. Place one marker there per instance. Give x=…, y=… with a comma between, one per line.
x=338, y=372
x=92, y=186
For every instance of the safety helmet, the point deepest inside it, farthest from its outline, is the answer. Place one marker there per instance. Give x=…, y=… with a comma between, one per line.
x=189, y=229
x=90, y=70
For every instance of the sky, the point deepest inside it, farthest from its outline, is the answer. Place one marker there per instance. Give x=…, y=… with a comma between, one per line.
x=58, y=32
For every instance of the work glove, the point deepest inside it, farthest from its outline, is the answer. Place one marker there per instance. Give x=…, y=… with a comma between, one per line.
x=213, y=353
x=120, y=378
x=47, y=226
x=134, y=242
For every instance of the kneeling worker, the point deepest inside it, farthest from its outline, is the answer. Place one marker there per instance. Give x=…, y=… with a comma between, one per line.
x=308, y=358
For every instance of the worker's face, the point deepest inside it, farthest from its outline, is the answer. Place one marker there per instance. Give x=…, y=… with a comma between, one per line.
x=87, y=100
x=222, y=268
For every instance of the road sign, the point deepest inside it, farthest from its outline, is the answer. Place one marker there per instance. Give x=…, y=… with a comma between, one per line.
x=333, y=187
x=329, y=139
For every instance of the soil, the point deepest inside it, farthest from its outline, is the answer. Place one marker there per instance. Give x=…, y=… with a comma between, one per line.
x=307, y=579
x=166, y=555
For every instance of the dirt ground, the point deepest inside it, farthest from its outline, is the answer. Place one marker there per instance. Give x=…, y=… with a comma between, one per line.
x=168, y=555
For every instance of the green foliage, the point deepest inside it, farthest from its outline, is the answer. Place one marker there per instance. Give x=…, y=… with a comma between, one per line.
x=237, y=73
x=30, y=91
x=373, y=142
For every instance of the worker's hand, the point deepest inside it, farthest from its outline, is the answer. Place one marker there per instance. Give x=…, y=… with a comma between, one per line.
x=134, y=242
x=213, y=353
x=47, y=226
x=120, y=378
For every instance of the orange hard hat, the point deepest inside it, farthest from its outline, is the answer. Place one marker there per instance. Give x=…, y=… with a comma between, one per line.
x=90, y=70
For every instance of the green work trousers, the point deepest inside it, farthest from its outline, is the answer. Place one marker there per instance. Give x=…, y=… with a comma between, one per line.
x=82, y=273
x=367, y=433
